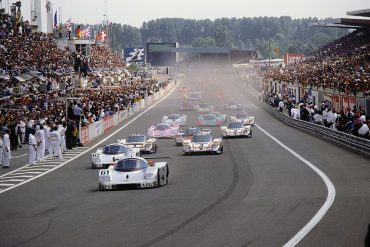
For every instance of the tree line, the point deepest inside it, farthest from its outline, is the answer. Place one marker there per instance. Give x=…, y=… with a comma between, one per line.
x=284, y=33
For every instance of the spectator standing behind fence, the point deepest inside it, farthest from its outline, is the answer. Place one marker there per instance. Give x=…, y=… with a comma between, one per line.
x=317, y=117
x=281, y=105
x=363, y=131
x=22, y=126
x=77, y=110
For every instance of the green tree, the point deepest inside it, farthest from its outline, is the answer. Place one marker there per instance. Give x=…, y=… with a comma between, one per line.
x=204, y=42
x=222, y=37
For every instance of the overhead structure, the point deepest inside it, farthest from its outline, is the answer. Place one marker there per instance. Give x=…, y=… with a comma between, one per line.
x=348, y=22
x=362, y=12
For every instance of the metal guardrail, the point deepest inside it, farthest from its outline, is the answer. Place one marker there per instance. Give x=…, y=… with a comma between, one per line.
x=351, y=142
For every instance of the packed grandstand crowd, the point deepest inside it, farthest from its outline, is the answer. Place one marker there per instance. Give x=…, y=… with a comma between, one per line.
x=343, y=65
x=35, y=74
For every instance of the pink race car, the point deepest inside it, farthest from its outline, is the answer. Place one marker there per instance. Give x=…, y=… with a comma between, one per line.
x=163, y=131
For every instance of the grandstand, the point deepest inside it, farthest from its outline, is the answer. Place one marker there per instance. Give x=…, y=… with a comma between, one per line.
x=339, y=72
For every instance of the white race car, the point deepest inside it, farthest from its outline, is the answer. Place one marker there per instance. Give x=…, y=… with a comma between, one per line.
x=203, y=143
x=242, y=117
x=203, y=108
x=174, y=119
x=236, y=129
x=187, y=134
x=233, y=106
x=110, y=154
x=134, y=172
x=146, y=145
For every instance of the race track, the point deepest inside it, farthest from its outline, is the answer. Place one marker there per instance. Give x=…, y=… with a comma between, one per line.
x=254, y=194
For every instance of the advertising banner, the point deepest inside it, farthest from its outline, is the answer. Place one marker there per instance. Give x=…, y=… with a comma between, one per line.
x=84, y=138
x=98, y=128
x=134, y=55
x=108, y=123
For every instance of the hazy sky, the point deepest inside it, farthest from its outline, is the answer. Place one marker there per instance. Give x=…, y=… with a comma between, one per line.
x=135, y=12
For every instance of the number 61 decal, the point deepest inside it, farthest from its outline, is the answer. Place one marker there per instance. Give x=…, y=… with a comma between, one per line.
x=104, y=172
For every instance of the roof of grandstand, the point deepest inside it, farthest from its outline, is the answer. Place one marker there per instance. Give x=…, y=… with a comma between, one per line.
x=350, y=23
x=362, y=12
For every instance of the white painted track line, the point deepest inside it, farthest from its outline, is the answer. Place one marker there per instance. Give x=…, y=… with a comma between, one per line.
x=19, y=176
x=324, y=208
x=84, y=149
x=7, y=185
x=12, y=180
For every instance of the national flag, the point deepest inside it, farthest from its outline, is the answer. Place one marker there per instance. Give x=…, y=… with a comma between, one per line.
x=276, y=50
x=85, y=33
x=78, y=32
x=68, y=25
x=97, y=36
x=55, y=19
x=103, y=36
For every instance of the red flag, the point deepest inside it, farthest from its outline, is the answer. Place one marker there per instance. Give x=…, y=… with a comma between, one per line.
x=103, y=36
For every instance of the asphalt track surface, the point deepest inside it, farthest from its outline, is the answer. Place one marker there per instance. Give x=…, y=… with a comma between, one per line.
x=254, y=194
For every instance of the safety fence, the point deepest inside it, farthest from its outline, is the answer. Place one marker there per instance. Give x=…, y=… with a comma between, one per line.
x=94, y=130
x=349, y=141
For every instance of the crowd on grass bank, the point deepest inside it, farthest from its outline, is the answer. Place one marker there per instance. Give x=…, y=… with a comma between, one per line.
x=353, y=121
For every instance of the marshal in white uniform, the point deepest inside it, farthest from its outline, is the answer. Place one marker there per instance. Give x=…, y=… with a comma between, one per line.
x=40, y=140
x=32, y=149
x=6, y=151
x=55, y=142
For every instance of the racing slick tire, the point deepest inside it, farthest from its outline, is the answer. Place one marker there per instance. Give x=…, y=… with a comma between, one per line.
x=163, y=176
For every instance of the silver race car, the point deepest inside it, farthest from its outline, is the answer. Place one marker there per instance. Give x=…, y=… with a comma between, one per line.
x=204, y=108
x=110, y=154
x=134, y=172
x=236, y=129
x=203, y=143
x=242, y=117
x=174, y=119
x=146, y=145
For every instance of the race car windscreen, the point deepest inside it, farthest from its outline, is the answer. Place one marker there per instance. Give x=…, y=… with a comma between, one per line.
x=191, y=132
x=136, y=138
x=162, y=127
x=235, y=125
x=209, y=117
x=202, y=138
x=115, y=149
x=242, y=115
x=203, y=105
x=130, y=165
x=173, y=116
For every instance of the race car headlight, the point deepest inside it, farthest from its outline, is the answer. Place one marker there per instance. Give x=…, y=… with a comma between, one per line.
x=186, y=148
x=149, y=176
x=104, y=179
x=96, y=158
x=147, y=146
x=215, y=146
